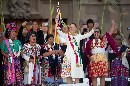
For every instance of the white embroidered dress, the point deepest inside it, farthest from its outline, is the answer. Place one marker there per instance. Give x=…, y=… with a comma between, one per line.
x=29, y=50
x=76, y=72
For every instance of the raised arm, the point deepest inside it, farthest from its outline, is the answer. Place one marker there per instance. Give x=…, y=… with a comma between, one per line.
x=58, y=29
x=112, y=44
x=86, y=35
x=113, y=28
x=96, y=25
x=62, y=34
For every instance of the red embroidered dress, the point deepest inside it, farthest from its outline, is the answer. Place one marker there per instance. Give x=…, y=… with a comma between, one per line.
x=97, y=50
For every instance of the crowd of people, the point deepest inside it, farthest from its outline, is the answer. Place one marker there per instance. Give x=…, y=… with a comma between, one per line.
x=32, y=57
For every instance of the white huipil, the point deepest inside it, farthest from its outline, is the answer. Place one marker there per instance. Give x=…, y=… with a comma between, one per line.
x=76, y=72
x=28, y=75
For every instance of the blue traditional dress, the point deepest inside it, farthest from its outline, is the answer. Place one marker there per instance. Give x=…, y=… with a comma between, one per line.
x=119, y=71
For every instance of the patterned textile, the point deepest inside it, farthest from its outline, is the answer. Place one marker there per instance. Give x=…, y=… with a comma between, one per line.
x=66, y=68
x=98, y=66
x=51, y=66
x=29, y=53
x=18, y=72
x=15, y=47
x=119, y=73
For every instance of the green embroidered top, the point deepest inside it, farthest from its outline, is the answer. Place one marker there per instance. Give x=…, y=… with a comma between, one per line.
x=15, y=46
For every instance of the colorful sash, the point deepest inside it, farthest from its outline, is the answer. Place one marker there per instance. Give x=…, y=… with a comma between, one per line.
x=77, y=53
x=11, y=70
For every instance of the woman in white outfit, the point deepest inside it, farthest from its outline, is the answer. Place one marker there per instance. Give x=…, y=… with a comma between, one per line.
x=73, y=59
x=31, y=55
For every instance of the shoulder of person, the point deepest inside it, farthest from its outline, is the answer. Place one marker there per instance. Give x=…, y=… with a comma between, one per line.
x=38, y=46
x=39, y=31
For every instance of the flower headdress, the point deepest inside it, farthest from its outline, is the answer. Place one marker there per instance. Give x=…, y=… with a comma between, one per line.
x=11, y=26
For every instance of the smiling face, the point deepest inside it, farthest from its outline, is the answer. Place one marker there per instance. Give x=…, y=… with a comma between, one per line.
x=50, y=40
x=90, y=25
x=65, y=29
x=32, y=38
x=13, y=35
x=25, y=31
x=35, y=26
x=97, y=33
x=72, y=28
x=44, y=27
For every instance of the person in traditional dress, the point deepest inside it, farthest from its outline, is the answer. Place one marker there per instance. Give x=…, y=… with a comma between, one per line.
x=73, y=59
x=119, y=70
x=52, y=54
x=11, y=49
x=1, y=60
x=31, y=54
x=96, y=51
x=63, y=46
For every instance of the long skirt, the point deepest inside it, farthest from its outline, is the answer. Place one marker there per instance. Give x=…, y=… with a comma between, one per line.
x=119, y=73
x=98, y=66
x=18, y=72
x=29, y=76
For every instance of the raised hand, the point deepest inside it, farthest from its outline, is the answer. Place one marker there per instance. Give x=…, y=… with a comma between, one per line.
x=56, y=19
x=114, y=27
x=24, y=23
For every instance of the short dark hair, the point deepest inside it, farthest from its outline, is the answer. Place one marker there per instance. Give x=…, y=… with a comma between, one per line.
x=29, y=34
x=49, y=36
x=99, y=30
x=90, y=21
x=74, y=24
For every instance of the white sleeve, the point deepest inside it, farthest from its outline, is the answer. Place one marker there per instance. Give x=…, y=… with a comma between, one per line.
x=86, y=35
x=25, y=57
x=62, y=34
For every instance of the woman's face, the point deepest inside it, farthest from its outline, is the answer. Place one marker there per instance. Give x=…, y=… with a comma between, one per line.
x=118, y=40
x=50, y=40
x=90, y=25
x=25, y=31
x=35, y=26
x=33, y=38
x=65, y=29
x=13, y=35
x=44, y=27
x=72, y=28
x=97, y=33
